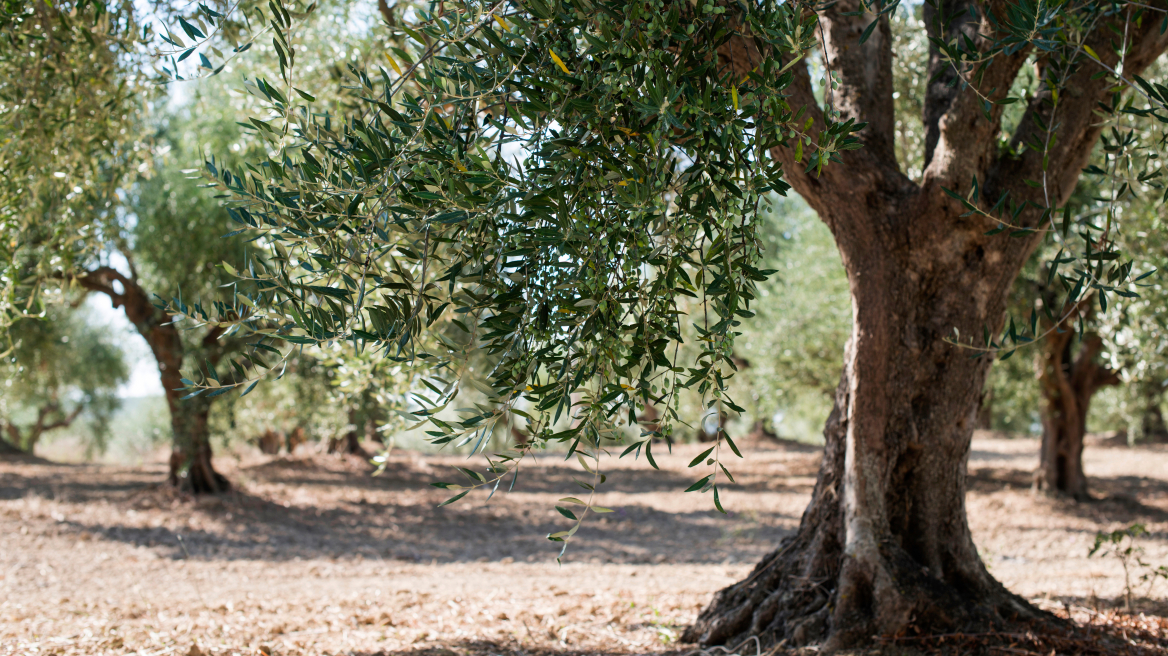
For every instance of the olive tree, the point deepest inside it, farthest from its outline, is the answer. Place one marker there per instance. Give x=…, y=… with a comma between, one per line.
x=58, y=370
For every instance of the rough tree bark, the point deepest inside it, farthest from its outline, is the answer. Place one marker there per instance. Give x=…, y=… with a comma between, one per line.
x=1069, y=380
x=190, y=458
x=884, y=545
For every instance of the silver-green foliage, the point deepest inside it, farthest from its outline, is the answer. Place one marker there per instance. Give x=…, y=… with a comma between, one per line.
x=546, y=181
x=71, y=95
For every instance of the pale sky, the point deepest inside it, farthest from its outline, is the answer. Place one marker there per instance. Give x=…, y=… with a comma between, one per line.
x=143, y=371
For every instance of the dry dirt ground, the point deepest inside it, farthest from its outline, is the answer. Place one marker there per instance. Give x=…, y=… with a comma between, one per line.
x=311, y=555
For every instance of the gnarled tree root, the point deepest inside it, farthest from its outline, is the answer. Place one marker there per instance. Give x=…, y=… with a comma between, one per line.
x=809, y=592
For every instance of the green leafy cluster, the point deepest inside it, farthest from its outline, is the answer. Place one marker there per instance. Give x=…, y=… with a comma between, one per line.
x=556, y=187
x=1123, y=545
x=70, y=98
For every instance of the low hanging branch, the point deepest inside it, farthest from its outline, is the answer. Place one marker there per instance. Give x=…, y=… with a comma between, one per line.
x=546, y=198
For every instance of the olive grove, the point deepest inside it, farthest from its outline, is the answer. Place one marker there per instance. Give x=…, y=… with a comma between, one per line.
x=541, y=200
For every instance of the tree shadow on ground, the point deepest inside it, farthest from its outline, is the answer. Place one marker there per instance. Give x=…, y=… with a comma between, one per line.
x=537, y=474
x=261, y=530
x=493, y=648
x=1114, y=499
x=68, y=482
x=290, y=509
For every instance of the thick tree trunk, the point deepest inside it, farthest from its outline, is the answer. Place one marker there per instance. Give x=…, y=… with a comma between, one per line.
x=270, y=442
x=347, y=444
x=371, y=432
x=884, y=544
x=1069, y=381
x=11, y=444
x=985, y=413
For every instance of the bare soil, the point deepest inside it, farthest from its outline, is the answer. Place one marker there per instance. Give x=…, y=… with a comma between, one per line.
x=312, y=555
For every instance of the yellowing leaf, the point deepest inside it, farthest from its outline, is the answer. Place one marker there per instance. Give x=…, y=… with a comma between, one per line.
x=559, y=62
x=392, y=63
x=1087, y=49
x=734, y=96
x=798, y=150
x=501, y=23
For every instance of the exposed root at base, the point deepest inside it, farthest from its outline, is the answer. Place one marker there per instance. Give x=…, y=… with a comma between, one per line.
x=1102, y=634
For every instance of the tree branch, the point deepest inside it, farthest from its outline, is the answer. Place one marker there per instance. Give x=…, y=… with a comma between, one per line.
x=1077, y=128
x=864, y=73
x=101, y=280
x=386, y=13
x=839, y=190
x=135, y=301
x=960, y=142
x=66, y=421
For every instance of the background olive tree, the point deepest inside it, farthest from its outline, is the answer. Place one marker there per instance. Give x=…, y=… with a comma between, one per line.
x=59, y=370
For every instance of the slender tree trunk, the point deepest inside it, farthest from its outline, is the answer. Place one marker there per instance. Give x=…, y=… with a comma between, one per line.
x=17, y=443
x=42, y=426
x=1152, y=425
x=350, y=442
x=884, y=546
x=1069, y=380
x=190, y=456
x=190, y=459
